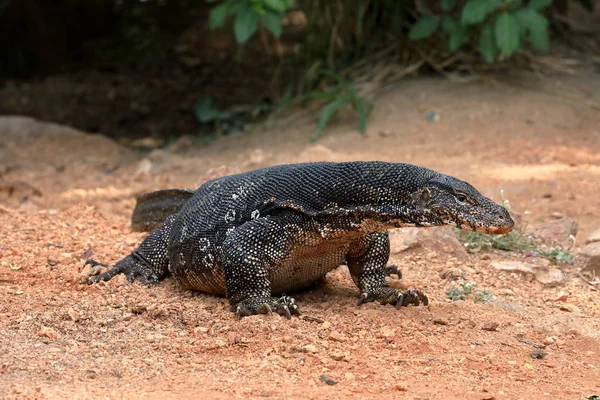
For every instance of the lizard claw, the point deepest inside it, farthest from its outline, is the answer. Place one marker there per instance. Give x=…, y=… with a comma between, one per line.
x=364, y=298
x=413, y=296
x=284, y=306
x=387, y=295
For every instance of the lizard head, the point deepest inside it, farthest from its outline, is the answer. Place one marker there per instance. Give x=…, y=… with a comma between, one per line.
x=455, y=202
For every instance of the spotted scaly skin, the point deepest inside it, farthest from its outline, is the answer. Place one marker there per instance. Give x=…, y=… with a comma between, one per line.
x=256, y=235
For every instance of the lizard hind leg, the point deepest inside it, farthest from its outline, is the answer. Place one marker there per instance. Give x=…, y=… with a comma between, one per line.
x=367, y=259
x=135, y=270
x=148, y=264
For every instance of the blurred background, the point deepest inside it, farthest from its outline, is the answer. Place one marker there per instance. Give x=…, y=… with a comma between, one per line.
x=161, y=69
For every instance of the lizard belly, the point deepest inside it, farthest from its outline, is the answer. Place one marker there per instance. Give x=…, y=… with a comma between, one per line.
x=304, y=267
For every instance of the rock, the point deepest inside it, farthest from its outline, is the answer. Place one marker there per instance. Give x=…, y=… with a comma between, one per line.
x=570, y=308
x=537, y=354
x=452, y=274
x=386, y=332
x=349, y=376
x=338, y=355
x=546, y=276
x=401, y=387
x=48, y=332
x=591, y=258
x=403, y=239
x=548, y=340
x=549, y=277
x=491, y=326
x=555, y=233
x=513, y=266
x=594, y=237
x=310, y=348
x=327, y=379
x=440, y=321
x=442, y=240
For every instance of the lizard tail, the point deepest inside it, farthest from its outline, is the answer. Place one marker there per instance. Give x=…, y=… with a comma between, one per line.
x=153, y=208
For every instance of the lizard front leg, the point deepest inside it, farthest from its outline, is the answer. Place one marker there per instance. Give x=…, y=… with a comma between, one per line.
x=367, y=259
x=248, y=254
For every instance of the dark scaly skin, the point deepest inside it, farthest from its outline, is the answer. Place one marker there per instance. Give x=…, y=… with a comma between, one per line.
x=263, y=233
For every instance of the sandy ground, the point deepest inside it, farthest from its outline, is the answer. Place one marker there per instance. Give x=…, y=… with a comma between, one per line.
x=66, y=196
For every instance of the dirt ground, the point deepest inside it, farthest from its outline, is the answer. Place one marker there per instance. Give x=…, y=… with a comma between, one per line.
x=66, y=196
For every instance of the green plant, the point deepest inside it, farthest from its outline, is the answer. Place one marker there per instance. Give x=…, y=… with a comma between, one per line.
x=228, y=121
x=336, y=96
x=558, y=256
x=461, y=291
x=247, y=14
x=483, y=296
x=512, y=241
x=494, y=27
x=465, y=289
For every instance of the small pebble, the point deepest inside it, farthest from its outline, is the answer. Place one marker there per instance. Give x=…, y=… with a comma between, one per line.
x=537, y=354
x=491, y=326
x=310, y=348
x=48, y=332
x=328, y=380
x=440, y=321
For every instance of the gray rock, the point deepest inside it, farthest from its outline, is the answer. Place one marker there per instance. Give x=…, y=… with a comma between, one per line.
x=591, y=258
x=403, y=239
x=441, y=240
x=555, y=233
x=594, y=237
x=547, y=276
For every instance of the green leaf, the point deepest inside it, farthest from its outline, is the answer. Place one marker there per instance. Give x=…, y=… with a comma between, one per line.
x=487, y=43
x=328, y=112
x=539, y=4
x=363, y=114
x=448, y=5
x=540, y=39
x=531, y=20
x=424, y=27
x=218, y=15
x=449, y=25
x=536, y=25
x=273, y=23
x=277, y=5
x=475, y=11
x=458, y=38
x=508, y=35
x=245, y=24
x=204, y=110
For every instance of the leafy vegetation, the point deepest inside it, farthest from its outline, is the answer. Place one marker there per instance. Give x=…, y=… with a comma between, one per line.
x=225, y=121
x=495, y=28
x=338, y=35
x=558, y=256
x=336, y=96
x=513, y=241
x=464, y=290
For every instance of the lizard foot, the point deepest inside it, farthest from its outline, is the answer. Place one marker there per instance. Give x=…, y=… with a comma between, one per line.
x=387, y=295
x=285, y=306
x=130, y=266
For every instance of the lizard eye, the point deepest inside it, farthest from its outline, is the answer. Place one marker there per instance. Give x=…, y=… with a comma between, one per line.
x=461, y=197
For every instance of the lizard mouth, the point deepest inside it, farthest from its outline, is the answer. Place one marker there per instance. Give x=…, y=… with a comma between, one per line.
x=489, y=229
x=494, y=230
